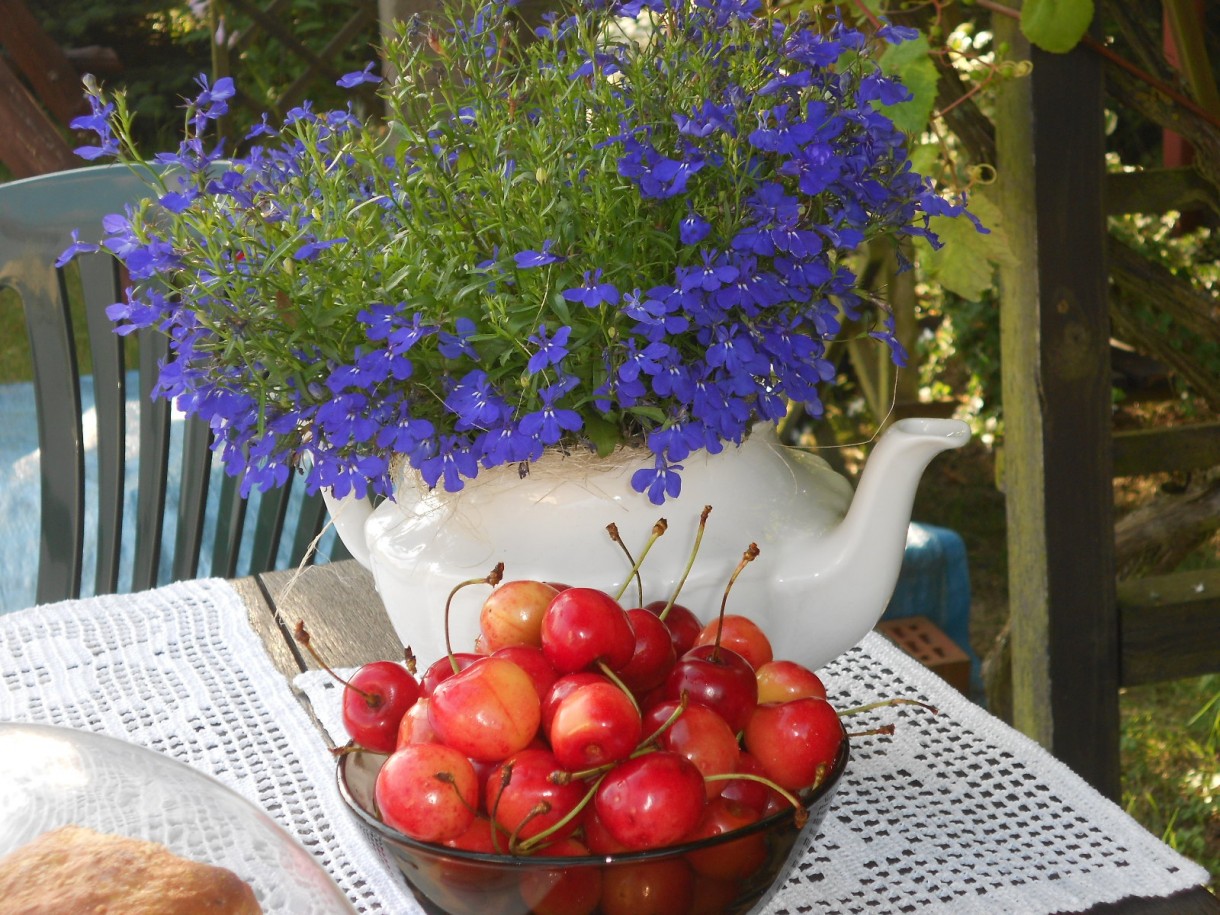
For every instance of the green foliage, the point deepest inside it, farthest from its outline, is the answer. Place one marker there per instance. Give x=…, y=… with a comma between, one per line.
x=910, y=62
x=967, y=263
x=1056, y=25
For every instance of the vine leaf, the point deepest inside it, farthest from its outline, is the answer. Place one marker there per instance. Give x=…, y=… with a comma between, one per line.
x=909, y=61
x=967, y=262
x=1056, y=25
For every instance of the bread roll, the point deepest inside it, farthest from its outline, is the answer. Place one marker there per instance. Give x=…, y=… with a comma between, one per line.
x=77, y=871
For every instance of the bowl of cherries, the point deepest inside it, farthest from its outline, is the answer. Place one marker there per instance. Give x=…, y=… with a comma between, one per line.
x=593, y=757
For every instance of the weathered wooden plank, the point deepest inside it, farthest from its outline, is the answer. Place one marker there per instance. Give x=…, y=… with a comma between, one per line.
x=340, y=607
x=34, y=53
x=1170, y=626
x=1055, y=349
x=262, y=621
x=29, y=143
x=1176, y=448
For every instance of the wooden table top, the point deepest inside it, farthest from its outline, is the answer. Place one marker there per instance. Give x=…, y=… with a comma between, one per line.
x=363, y=633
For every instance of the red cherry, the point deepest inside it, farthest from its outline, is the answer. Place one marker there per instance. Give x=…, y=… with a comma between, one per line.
x=533, y=662
x=374, y=702
x=523, y=800
x=653, y=657
x=757, y=796
x=684, y=627
x=561, y=689
x=700, y=735
x=569, y=891
x=595, y=725
x=427, y=791
x=782, y=681
x=793, y=740
x=597, y=836
x=488, y=711
x=512, y=614
x=442, y=670
x=719, y=678
x=415, y=726
x=733, y=860
x=477, y=837
x=740, y=634
x=661, y=887
x=652, y=800
x=584, y=626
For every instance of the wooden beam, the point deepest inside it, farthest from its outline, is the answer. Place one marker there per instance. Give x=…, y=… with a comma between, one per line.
x=30, y=144
x=1176, y=448
x=1056, y=376
x=1170, y=626
x=1157, y=190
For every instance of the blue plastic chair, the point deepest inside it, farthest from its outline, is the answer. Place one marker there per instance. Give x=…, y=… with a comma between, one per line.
x=37, y=216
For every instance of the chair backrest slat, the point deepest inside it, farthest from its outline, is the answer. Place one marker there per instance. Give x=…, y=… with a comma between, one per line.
x=60, y=435
x=100, y=287
x=192, y=497
x=152, y=472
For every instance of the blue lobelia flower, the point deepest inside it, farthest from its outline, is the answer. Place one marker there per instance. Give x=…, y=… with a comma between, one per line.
x=530, y=258
x=551, y=351
x=592, y=291
x=476, y=403
x=660, y=482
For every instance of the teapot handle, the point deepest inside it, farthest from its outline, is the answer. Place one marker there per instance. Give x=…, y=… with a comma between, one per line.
x=348, y=514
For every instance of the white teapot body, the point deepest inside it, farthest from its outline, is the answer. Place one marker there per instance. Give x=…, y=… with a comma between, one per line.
x=827, y=565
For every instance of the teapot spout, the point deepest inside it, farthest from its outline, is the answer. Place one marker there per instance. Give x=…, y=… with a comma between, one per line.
x=853, y=570
x=881, y=510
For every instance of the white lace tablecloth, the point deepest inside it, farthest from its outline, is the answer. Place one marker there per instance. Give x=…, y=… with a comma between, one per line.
x=954, y=813
x=179, y=670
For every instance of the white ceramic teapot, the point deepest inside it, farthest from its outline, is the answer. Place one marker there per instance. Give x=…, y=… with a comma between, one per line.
x=826, y=569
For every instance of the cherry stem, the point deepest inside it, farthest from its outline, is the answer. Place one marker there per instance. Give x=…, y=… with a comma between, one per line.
x=408, y=658
x=515, y=842
x=668, y=722
x=707, y=510
x=886, y=730
x=491, y=578
x=657, y=530
x=887, y=703
x=798, y=808
x=506, y=776
x=747, y=557
x=301, y=634
x=538, y=838
x=612, y=529
x=614, y=678
x=446, y=778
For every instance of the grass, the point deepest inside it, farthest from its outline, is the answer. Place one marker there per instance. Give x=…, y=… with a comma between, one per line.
x=1171, y=765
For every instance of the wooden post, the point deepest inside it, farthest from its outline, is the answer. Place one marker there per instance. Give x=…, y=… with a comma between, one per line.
x=1055, y=352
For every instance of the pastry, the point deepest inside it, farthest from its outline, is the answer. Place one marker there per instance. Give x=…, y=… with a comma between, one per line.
x=77, y=871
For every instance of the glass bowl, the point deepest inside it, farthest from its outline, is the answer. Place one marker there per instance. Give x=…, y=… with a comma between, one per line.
x=56, y=776
x=725, y=875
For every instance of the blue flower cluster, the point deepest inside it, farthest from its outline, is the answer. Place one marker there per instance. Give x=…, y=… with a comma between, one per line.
x=675, y=278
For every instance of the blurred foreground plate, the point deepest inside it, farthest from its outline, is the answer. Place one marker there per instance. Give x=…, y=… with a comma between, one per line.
x=54, y=776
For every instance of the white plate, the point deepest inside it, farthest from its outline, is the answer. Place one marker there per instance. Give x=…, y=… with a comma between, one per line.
x=54, y=776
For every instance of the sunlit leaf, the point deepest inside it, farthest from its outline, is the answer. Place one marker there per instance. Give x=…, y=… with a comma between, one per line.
x=967, y=263
x=1056, y=25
